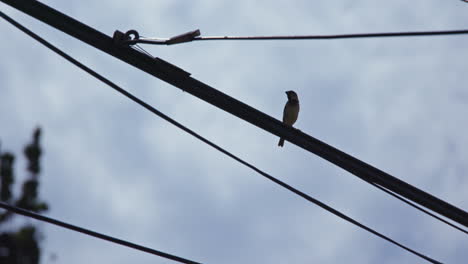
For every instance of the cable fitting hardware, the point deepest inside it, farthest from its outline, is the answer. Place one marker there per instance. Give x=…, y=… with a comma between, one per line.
x=131, y=37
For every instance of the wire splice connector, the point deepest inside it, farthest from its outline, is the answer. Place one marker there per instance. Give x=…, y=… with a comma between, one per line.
x=186, y=37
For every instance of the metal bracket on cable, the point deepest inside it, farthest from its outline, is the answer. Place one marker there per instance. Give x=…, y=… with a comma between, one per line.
x=132, y=37
x=122, y=39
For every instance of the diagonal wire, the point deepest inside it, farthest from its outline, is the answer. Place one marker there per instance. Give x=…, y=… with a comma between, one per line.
x=39, y=217
x=175, y=123
x=417, y=207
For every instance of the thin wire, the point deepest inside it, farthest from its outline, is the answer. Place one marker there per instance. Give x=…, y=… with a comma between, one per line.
x=177, y=124
x=164, y=41
x=39, y=217
x=417, y=207
x=340, y=36
x=141, y=50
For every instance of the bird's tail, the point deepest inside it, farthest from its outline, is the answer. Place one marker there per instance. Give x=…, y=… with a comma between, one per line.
x=281, y=142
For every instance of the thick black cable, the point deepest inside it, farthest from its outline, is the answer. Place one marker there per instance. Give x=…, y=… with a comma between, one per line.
x=49, y=220
x=175, y=123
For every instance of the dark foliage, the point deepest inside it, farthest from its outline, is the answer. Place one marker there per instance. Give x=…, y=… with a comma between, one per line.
x=21, y=245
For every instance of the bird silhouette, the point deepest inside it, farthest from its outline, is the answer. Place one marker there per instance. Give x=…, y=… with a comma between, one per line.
x=291, y=112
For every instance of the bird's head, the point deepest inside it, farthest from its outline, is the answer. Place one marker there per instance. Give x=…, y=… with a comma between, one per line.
x=292, y=96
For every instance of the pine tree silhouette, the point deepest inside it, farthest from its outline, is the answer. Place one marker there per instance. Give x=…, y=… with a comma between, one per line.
x=21, y=246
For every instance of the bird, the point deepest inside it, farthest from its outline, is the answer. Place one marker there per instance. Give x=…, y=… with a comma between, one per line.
x=291, y=111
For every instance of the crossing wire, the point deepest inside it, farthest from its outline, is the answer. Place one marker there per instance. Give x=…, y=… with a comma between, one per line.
x=417, y=207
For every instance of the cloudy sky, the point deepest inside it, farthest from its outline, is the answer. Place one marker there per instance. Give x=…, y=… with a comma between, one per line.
x=111, y=166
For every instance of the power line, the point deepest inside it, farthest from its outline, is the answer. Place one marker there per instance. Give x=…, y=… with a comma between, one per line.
x=418, y=207
x=172, y=121
x=181, y=79
x=88, y=232
x=194, y=36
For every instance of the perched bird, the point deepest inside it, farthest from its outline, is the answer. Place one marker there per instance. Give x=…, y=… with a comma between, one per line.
x=291, y=111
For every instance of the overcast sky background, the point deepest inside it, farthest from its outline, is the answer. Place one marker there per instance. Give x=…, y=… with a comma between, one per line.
x=399, y=104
